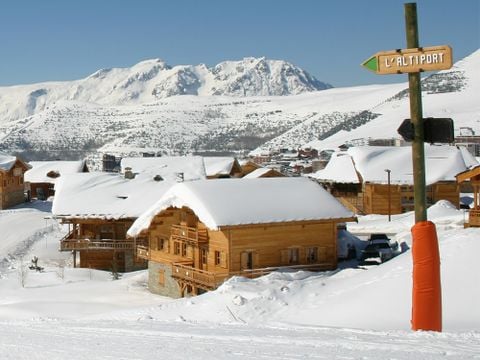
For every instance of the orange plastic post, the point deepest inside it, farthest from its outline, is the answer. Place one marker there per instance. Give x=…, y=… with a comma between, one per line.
x=427, y=294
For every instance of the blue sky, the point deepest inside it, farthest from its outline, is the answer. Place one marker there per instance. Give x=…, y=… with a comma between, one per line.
x=65, y=39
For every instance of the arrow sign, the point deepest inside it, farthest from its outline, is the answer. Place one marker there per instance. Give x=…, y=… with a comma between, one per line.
x=410, y=60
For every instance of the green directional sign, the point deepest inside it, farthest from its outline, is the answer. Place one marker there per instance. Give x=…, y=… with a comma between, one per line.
x=410, y=60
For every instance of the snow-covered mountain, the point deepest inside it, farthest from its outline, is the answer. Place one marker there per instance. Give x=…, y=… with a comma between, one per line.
x=130, y=110
x=152, y=80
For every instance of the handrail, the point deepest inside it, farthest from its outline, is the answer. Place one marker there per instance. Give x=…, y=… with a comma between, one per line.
x=86, y=244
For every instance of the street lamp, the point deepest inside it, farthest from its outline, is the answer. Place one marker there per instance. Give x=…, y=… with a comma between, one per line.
x=388, y=171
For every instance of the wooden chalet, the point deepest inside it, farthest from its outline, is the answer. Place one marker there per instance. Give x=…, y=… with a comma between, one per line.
x=99, y=208
x=12, y=188
x=41, y=178
x=379, y=180
x=473, y=176
x=203, y=232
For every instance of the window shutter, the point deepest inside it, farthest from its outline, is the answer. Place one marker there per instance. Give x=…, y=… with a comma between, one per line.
x=284, y=256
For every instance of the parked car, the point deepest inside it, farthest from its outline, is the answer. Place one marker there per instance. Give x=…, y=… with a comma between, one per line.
x=379, y=246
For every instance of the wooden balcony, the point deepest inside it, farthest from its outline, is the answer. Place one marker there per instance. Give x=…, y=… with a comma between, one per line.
x=188, y=234
x=68, y=244
x=474, y=218
x=208, y=280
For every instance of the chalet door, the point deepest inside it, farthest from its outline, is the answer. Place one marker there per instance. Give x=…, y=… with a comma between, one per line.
x=247, y=260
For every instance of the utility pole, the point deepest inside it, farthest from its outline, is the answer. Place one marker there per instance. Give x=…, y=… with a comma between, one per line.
x=416, y=116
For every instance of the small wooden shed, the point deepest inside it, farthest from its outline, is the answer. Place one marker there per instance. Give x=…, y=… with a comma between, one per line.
x=202, y=232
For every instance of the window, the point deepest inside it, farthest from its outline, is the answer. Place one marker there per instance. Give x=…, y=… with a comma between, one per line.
x=249, y=259
x=293, y=256
x=184, y=249
x=176, y=248
x=312, y=255
x=161, y=244
x=221, y=259
x=204, y=256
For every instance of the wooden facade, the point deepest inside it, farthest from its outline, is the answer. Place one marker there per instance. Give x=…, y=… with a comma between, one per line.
x=101, y=244
x=378, y=198
x=12, y=191
x=186, y=257
x=473, y=177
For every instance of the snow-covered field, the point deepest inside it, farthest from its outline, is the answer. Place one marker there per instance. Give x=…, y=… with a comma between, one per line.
x=357, y=312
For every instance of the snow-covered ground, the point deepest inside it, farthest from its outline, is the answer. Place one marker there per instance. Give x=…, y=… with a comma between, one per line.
x=357, y=312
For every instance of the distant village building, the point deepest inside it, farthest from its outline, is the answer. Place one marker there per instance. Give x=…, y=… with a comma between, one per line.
x=203, y=232
x=358, y=177
x=471, y=142
x=12, y=188
x=222, y=167
x=100, y=207
x=41, y=178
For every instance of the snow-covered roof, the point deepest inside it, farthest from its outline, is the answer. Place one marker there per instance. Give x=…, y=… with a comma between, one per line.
x=442, y=163
x=220, y=165
x=257, y=173
x=228, y=202
x=40, y=169
x=106, y=195
x=167, y=167
x=340, y=169
x=7, y=161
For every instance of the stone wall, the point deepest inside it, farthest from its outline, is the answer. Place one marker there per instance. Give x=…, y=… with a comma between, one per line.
x=160, y=280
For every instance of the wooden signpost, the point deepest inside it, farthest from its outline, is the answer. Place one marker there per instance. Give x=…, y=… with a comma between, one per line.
x=410, y=60
x=426, y=297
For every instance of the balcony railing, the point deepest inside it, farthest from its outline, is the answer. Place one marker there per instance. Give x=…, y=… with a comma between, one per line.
x=188, y=234
x=474, y=218
x=209, y=280
x=68, y=244
x=203, y=279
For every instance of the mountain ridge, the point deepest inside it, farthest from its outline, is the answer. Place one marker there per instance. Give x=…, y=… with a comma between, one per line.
x=187, y=124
